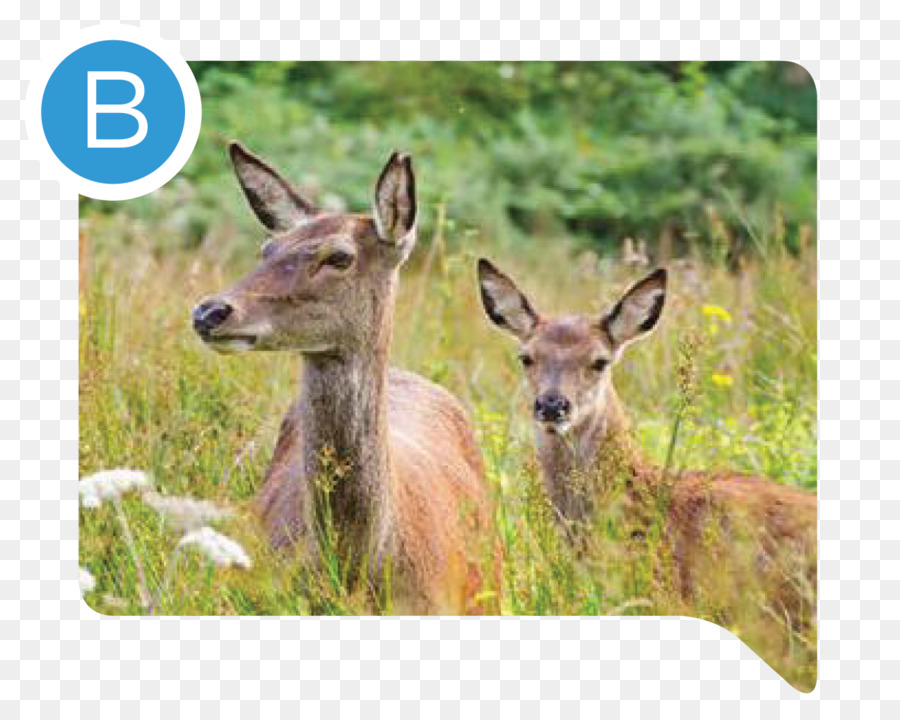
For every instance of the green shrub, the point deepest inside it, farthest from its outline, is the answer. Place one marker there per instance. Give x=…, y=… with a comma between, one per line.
x=599, y=150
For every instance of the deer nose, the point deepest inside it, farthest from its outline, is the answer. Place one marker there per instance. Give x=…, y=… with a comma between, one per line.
x=552, y=407
x=209, y=315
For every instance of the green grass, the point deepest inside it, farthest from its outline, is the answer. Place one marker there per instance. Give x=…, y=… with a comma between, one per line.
x=204, y=425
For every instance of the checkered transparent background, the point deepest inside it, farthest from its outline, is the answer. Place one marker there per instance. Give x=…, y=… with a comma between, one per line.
x=59, y=659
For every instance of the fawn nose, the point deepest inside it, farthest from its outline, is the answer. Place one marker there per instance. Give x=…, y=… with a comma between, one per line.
x=552, y=407
x=209, y=315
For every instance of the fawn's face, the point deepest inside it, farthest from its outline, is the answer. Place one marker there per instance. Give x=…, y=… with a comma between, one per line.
x=567, y=360
x=323, y=281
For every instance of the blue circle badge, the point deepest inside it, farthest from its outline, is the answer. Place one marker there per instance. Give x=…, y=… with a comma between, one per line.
x=113, y=112
x=120, y=114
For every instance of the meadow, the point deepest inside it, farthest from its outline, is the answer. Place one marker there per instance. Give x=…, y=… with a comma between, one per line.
x=741, y=326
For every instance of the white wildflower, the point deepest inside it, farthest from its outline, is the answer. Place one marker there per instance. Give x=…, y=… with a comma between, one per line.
x=108, y=484
x=222, y=550
x=86, y=580
x=186, y=513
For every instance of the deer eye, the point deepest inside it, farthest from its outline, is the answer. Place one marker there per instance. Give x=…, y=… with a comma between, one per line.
x=599, y=365
x=339, y=260
x=267, y=249
x=526, y=360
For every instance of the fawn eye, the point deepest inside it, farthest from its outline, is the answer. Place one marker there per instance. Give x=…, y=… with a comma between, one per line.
x=267, y=249
x=526, y=360
x=288, y=267
x=599, y=365
x=339, y=260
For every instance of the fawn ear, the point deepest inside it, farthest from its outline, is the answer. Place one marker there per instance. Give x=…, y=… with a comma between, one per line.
x=395, y=204
x=637, y=313
x=504, y=303
x=276, y=203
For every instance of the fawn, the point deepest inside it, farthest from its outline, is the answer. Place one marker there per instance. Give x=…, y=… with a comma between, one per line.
x=410, y=488
x=584, y=445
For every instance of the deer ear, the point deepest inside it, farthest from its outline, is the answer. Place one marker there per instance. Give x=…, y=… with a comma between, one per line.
x=395, y=203
x=504, y=303
x=637, y=313
x=276, y=203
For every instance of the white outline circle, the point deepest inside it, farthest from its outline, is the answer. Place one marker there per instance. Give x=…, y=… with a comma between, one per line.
x=75, y=183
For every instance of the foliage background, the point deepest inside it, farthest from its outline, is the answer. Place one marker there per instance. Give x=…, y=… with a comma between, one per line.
x=598, y=151
x=545, y=168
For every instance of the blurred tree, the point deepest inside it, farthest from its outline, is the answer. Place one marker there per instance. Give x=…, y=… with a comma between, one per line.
x=708, y=153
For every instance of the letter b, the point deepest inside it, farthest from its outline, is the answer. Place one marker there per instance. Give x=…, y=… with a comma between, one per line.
x=93, y=109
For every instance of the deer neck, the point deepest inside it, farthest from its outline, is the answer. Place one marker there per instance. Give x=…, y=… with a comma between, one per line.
x=598, y=449
x=345, y=439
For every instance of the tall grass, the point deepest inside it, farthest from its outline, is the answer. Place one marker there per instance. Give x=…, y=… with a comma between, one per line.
x=204, y=425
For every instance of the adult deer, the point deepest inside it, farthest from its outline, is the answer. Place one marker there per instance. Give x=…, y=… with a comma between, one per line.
x=584, y=446
x=409, y=487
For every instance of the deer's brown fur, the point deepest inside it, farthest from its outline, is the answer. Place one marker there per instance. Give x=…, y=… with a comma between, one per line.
x=432, y=504
x=703, y=510
x=383, y=458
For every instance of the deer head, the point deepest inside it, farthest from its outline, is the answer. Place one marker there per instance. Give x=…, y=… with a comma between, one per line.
x=567, y=359
x=323, y=281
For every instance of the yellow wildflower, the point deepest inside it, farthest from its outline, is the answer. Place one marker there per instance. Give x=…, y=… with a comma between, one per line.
x=716, y=312
x=722, y=379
